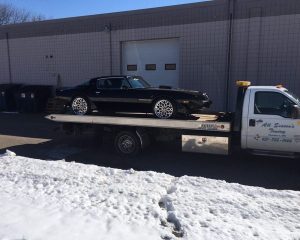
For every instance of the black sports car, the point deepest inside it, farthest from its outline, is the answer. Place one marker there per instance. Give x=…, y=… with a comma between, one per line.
x=132, y=94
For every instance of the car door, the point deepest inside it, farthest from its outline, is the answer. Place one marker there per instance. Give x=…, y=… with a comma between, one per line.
x=131, y=99
x=270, y=125
x=112, y=94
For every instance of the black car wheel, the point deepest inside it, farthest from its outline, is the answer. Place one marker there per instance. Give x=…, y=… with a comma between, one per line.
x=164, y=108
x=80, y=106
x=127, y=143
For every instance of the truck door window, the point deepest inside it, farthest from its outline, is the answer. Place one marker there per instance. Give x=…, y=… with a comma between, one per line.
x=271, y=103
x=294, y=96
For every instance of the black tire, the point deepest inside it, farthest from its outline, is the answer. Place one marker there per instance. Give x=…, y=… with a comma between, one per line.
x=128, y=144
x=85, y=105
x=164, y=108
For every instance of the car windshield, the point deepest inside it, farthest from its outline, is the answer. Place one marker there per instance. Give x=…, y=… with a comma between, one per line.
x=293, y=96
x=138, y=82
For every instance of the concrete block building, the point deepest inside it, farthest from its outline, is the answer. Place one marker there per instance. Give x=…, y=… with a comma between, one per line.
x=204, y=46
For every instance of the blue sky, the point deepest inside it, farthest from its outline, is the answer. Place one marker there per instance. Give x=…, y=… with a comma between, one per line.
x=70, y=8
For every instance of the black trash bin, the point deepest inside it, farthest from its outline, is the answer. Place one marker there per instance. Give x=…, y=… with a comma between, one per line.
x=7, y=97
x=33, y=98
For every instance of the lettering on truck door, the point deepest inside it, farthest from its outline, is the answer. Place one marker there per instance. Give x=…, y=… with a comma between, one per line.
x=270, y=123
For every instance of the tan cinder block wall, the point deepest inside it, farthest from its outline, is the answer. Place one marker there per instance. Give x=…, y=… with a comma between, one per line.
x=265, y=50
x=75, y=57
x=79, y=57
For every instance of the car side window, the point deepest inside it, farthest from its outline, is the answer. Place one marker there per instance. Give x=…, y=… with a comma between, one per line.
x=101, y=83
x=125, y=84
x=109, y=83
x=271, y=103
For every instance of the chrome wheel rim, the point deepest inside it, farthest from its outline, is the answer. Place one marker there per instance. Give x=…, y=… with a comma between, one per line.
x=163, y=109
x=79, y=106
x=126, y=144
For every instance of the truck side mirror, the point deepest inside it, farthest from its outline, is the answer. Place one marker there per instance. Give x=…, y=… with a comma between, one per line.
x=295, y=112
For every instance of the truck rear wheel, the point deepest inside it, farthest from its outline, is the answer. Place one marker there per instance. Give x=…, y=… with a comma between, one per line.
x=127, y=143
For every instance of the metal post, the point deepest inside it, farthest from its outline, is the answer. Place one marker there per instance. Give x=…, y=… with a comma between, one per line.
x=8, y=58
x=110, y=49
x=229, y=51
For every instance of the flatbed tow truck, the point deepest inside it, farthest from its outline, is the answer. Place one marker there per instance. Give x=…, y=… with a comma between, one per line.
x=266, y=122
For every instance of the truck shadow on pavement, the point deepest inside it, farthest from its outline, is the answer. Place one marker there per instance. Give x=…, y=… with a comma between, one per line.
x=267, y=172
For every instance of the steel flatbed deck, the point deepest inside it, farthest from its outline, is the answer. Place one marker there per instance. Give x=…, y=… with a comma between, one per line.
x=201, y=122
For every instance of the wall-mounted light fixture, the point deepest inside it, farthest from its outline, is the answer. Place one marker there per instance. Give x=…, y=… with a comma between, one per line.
x=107, y=28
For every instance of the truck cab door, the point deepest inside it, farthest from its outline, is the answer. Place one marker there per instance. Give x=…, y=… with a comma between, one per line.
x=270, y=123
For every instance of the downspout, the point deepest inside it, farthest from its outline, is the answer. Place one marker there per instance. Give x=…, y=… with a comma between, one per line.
x=108, y=29
x=229, y=50
x=8, y=58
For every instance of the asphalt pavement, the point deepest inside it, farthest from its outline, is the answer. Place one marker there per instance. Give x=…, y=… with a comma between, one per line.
x=31, y=135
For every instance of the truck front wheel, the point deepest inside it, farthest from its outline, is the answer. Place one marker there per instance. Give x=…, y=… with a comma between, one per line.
x=127, y=143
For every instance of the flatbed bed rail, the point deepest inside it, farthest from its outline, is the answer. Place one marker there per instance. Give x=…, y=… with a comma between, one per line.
x=201, y=124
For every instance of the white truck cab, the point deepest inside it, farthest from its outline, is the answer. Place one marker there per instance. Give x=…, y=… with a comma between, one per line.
x=270, y=121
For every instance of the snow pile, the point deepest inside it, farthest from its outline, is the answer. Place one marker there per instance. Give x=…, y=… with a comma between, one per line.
x=60, y=200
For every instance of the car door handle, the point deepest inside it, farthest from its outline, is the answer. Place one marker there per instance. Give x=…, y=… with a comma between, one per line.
x=98, y=92
x=252, y=123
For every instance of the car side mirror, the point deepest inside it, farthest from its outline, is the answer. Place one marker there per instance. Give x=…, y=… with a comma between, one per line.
x=295, y=112
x=124, y=87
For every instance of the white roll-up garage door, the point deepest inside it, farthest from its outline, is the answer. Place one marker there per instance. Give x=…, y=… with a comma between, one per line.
x=157, y=61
